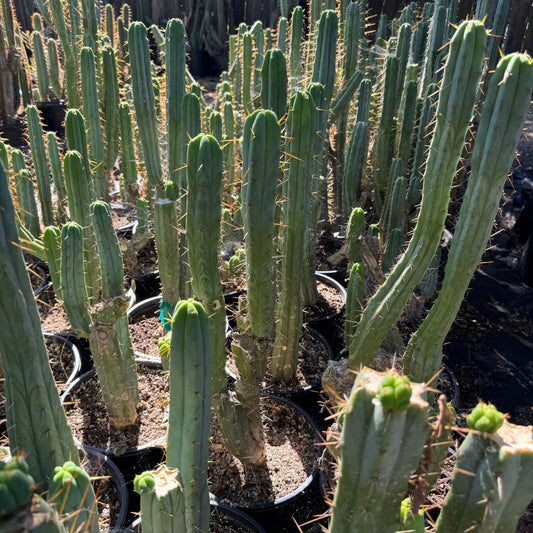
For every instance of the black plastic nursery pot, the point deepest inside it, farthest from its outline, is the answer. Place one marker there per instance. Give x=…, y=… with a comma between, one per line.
x=139, y=451
x=68, y=365
x=53, y=115
x=298, y=510
x=228, y=519
x=110, y=489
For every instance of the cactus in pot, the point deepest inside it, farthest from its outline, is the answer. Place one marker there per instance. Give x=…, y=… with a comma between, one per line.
x=175, y=497
x=105, y=322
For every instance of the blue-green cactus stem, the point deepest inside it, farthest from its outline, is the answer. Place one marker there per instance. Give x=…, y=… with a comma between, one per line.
x=175, y=50
x=76, y=138
x=324, y=66
x=26, y=197
x=261, y=154
x=204, y=198
x=282, y=34
x=40, y=164
x=499, y=129
x=91, y=113
x=354, y=300
x=57, y=177
x=456, y=102
x=423, y=140
x=247, y=63
x=190, y=408
x=162, y=500
x=166, y=233
x=43, y=80
x=384, y=150
x=72, y=281
x=71, y=60
x=274, y=82
x=295, y=57
x=144, y=101
x=379, y=448
x=46, y=439
x=295, y=191
x=435, y=40
x=354, y=165
x=355, y=235
x=110, y=103
x=79, y=201
x=130, y=188
x=52, y=246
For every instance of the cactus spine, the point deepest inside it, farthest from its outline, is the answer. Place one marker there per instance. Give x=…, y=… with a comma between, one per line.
x=455, y=109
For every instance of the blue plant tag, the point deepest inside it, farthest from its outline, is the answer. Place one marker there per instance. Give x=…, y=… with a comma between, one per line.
x=165, y=314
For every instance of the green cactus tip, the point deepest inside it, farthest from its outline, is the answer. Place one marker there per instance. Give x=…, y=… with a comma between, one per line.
x=164, y=346
x=394, y=392
x=16, y=486
x=486, y=418
x=144, y=483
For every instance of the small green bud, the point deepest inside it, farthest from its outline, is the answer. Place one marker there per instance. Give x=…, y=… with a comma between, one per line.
x=486, y=418
x=16, y=486
x=394, y=392
x=164, y=346
x=237, y=262
x=144, y=483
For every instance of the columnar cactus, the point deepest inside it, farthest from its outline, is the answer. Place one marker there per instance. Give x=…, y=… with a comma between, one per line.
x=190, y=409
x=383, y=431
x=205, y=184
x=28, y=379
x=296, y=198
x=500, y=126
x=91, y=113
x=456, y=103
x=40, y=163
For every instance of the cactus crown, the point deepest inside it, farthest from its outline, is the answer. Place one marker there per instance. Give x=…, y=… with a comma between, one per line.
x=486, y=418
x=394, y=392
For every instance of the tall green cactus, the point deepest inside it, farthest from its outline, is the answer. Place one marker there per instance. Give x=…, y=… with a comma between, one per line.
x=456, y=102
x=46, y=439
x=205, y=184
x=500, y=126
x=40, y=163
x=129, y=186
x=43, y=80
x=274, y=82
x=175, y=66
x=110, y=114
x=144, y=100
x=190, y=409
x=57, y=176
x=91, y=113
x=296, y=198
x=383, y=431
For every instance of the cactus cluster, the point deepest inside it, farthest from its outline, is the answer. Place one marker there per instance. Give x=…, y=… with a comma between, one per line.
x=318, y=123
